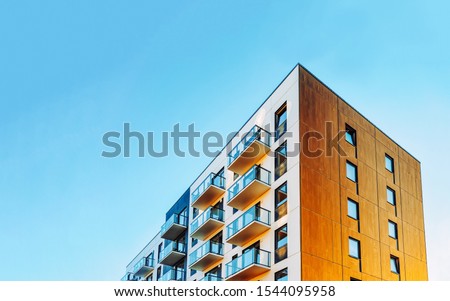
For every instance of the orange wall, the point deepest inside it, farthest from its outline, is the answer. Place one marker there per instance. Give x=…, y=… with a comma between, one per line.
x=325, y=226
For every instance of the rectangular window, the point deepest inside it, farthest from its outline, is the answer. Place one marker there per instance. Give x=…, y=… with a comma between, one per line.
x=389, y=163
x=280, y=121
x=280, y=160
x=281, y=241
x=395, y=265
x=194, y=241
x=282, y=275
x=352, y=172
x=159, y=251
x=158, y=273
x=281, y=201
x=350, y=135
x=353, y=248
x=352, y=209
x=393, y=230
x=391, y=196
x=195, y=212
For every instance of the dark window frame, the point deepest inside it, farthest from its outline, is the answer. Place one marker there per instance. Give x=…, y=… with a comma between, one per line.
x=278, y=113
x=356, y=171
x=396, y=264
x=391, y=160
x=283, y=228
x=389, y=189
x=359, y=248
x=279, y=203
x=349, y=200
x=280, y=272
x=278, y=160
x=395, y=229
x=350, y=132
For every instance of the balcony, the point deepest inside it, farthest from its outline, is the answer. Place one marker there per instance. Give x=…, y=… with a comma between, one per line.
x=252, y=147
x=207, y=223
x=174, y=226
x=208, y=191
x=128, y=277
x=210, y=253
x=248, y=226
x=249, y=187
x=249, y=265
x=143, y=267
x=173, y=275
x=211, y=278
x=172, y=253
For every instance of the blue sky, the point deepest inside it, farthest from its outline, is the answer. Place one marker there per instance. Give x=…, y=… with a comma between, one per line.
x=72, y=70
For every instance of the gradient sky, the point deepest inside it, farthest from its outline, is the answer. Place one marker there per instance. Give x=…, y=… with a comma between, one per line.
x=72, y=70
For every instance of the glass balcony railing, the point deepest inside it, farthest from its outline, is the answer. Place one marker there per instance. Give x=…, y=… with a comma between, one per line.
x=144, y=265
x=254, y=214
x=173, y=275
x=174, y=226
x=255, y=134
x=254, y=174
x=252, y=257
x=208, y=190
x=210, y=247
x=211, y=214
x=173, y=246
x=211, y=278
x=128, y=277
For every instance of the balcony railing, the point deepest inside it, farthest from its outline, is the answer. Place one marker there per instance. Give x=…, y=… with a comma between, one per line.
x=172, y=253
x=174, y=226
x=210, y=253
x=129, y=277
x=211, y=278
x=252, y=223
x=143, y=267
x=251, y=264
x=207, y=223
x=208, y=191
x=173, y=275
x=249, y=187
x=252, y=147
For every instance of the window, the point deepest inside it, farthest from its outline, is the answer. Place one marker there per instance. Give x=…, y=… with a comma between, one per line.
x=235, y=210
x=194, y=241
x=235, y=176
x=281, y=241
x=393, y=229
x=395, y=266
x=352, y=209
x=352, y=172
x=353, y=248
x=158, y=273
x=350, y=135
x=280, y=121
x=391, y=196
x=281, y=201
x=193, y=272
x=389, y=163
x=150, y=277
x=280, y=160
x=195, y=212
x=159, y=252
x=282, y=275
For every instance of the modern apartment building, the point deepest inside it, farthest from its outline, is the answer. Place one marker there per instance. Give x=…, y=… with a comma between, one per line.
x=308, y=189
